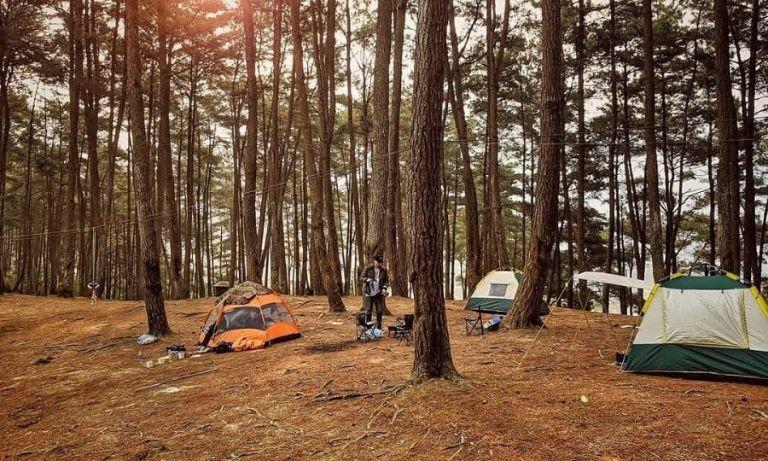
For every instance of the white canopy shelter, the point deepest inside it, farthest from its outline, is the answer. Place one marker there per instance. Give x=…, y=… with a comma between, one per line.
x=614, y=279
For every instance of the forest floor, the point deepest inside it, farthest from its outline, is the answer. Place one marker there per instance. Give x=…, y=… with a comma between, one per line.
x=71, y=388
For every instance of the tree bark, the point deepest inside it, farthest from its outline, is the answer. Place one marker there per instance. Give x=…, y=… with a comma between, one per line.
x=472, y=225
x=651, y=163
x=315, y=192
x=73, y=157
x=179, y=287
x=496, y=247
x=356, y=214
x=377, y=202
x=278, y=271
x=395, y=239
x=728, y=202
x=6, y=71
x=324, y=47
x=250, y=228
x=153, y=289
x=525, y=311
x=432, y=354
x=752, y=264
x=581, y=164
x=92, y=98
x=613, y=186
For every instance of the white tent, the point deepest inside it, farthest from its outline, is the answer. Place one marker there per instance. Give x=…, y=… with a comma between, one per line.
x=702, y=324
x=496, y=293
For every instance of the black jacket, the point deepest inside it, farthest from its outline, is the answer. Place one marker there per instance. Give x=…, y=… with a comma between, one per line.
x=369, y=273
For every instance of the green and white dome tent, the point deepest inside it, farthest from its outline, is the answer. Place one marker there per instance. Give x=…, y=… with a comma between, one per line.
x=711, y=324
x=495, y=293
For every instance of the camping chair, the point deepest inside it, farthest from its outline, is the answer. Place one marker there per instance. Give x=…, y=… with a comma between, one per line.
x=403, y=329
x=473, y=324
x=362, y=327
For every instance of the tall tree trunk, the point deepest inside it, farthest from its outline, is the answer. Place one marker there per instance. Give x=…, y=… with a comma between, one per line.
x=153, y=289
x=250, y=228
x=728, y=202
x=524, y=194
x=25, y=257
x=315, y=195
x=278, y=271
x=199, y=210
x=306, y=256
x=324, y=47
x=497, y=254
x=456, y=88
x=689, y=94
x=92, y=107
x=356, y=215
x=568, y=223
x=712, y=193
x=234, y=233
x=761, y=245
x=179, y=286
x=525, y=311
x=581, y=163
x=752, y=263
x=190, y=204
x=73, y=158
x=106, y=249
x=377, y=202
x=629, y=178
x=6, y=72
x=395, y=243
x=299, y=272
x=432, y=355
x=651, y=164
x=5, y=129
x=613, y=186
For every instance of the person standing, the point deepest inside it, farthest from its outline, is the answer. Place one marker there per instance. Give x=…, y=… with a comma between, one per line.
x=376, y=279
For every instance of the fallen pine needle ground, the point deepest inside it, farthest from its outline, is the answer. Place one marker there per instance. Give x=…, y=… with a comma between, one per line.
x=73, y=388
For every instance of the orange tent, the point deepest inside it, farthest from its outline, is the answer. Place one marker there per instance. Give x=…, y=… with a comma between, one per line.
x=249, y=316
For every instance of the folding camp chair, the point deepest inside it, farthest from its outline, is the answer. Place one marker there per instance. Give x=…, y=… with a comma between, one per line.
x=403, y=329
x=474, y=324
x=362, y=327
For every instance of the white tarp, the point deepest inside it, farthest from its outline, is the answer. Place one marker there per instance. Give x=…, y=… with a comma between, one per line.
x=614, y=279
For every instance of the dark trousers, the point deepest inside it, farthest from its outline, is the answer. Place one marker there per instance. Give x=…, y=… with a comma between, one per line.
x=374, y=302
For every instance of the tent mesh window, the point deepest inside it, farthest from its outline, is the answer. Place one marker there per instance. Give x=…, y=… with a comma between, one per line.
x=275, y=313
x=498, y=289
x=243, y=317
